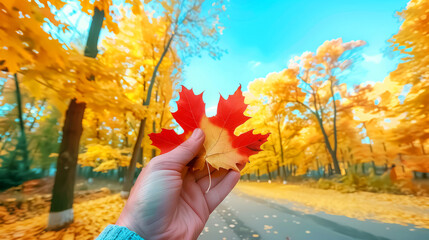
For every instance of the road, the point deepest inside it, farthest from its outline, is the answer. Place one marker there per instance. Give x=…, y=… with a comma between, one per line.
x=241, y=216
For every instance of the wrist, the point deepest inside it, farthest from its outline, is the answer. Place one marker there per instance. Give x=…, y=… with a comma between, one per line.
x=123, y=222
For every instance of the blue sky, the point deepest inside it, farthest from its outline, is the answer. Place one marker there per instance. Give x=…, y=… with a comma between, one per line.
x=261, y=37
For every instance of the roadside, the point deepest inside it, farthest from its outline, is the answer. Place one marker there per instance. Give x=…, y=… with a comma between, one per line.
x=387, y=208
x=246, y=217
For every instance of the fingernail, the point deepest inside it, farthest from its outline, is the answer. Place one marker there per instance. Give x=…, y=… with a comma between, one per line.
x=198, y=133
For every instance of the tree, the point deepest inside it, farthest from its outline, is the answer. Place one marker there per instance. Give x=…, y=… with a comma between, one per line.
x=25, y=44
x=312, y=81
x=44, y=140
x=187, y=28
x=412, y=42
x=269, y=114
x=22, y=140
x=19, y=124
x=61, y=212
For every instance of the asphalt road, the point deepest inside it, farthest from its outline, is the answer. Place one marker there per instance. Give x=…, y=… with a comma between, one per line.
x=242, y=216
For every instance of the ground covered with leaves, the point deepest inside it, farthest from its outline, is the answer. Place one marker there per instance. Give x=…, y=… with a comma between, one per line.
x=94, y=211
x=91, y=217
x=384, y=207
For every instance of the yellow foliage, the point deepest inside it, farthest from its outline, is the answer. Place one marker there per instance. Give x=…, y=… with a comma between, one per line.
x=72, y=82
x=25, y=42
x=297, y=106
x=104, y=157
x=412, y=41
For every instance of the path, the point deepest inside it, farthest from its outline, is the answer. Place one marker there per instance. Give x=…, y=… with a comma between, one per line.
x=242, y=216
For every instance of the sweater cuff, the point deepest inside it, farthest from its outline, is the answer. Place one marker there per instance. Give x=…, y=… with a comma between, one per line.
x=112, y=232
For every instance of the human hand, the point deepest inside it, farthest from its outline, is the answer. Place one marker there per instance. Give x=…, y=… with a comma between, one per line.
x=169, y=201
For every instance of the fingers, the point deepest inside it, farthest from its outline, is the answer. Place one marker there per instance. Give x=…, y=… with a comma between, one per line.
x=204, y=180
x=215, y=177
x=204, y=172
x=218, y=193
x=189, y=149
x=177, y=158
x=191, y=194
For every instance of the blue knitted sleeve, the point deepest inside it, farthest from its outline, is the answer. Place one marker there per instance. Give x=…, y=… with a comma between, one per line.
x=114, y=232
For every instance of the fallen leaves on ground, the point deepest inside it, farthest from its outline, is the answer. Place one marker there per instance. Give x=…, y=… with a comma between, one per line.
x=383, y=207
x=91, y=217
x=19, y=207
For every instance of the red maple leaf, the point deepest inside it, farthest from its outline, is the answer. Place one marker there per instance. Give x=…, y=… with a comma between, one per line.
x=222, y=148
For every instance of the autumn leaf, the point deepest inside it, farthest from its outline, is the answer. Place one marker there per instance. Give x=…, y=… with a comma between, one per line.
x=222, y=148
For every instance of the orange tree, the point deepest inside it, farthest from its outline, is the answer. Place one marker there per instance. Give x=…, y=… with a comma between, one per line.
x=269, y=114
x=412, y=42
x=311, y=86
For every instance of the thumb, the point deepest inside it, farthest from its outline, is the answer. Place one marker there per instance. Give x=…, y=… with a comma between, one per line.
x=180, y=156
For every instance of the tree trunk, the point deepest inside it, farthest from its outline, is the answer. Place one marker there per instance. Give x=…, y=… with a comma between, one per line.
x=141, y=161
x=284, y=172
x=386, y=167
x=324, y=172
x=22, y=140
x=140, y=156
x=153, y=130
x=268, y=172
x=318, y=167
x=281, y=150
x=258, y=176
x=129, y=176
x=334, y=153
x=343, y=161
x=329, y=169
x=374, y=168
x=61, y=212
x=331, y=151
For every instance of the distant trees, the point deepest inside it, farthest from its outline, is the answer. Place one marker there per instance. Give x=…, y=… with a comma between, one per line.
x=335, y=127
x=309, y=89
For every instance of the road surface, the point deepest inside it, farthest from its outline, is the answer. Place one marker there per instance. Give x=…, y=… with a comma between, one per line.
x=241, y=216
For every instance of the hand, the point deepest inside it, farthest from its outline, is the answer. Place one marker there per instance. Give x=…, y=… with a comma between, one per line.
x=169, y=201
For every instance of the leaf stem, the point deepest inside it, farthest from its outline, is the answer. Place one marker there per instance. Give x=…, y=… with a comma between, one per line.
x=210, y=178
